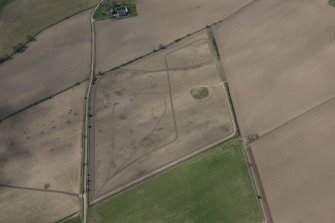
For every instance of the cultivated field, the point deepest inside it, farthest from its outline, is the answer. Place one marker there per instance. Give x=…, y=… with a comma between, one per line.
x=40, y=160
x=20, y=18
x=158, y=22
x=58, y=59
x=296, y=166
x=279, y=61
x=146, y=119
x=214, y=187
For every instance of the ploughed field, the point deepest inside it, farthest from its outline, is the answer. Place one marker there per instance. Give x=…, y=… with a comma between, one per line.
x=40, y=160
x=279, y=62
x=145, y=118
x=58, y=59
x=296, y=166
x=157, y=22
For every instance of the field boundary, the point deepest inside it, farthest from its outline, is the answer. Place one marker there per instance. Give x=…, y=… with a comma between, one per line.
x=258, y=184
x=162, y=169
x=42, y=100
x=296, y=117
x=254, y=178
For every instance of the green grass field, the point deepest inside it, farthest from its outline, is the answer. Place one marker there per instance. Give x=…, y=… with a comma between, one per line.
x=2, y=4
x=214, y=187
x=20, y=18
x=101, y=12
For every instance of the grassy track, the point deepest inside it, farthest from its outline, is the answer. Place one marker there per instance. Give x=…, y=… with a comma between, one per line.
x=214, y=187
x=21, y=18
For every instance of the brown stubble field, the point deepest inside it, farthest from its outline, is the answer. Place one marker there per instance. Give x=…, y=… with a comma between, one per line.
x=40, y=160
x=58, y=59
x=158, y=22
x=279, y=61
x=146, y=120
x=296, y=166
x=278, y=58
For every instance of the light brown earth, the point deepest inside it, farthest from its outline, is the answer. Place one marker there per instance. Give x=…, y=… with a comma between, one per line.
x=279, y=61
x=32, y=207
x=40, y=150
x=58, y=59
x=141, y=125
x=296, y=166
x=158, y=22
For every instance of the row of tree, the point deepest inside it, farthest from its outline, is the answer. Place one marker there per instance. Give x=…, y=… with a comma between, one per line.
x=19, y=48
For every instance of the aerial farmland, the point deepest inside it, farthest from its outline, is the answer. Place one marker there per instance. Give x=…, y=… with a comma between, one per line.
x=147, y=118
x=41, y=160
x=278, y=58
x=167, y=111
x=158, y=23
x=49, y=65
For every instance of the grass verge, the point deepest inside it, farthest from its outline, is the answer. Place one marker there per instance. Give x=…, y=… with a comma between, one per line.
x=101, y=12
x=214, y=187
x=332, y=2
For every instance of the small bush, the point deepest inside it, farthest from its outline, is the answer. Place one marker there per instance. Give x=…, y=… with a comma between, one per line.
x=199, y=93
x=19, y=48
x=161, y=46
x=4, y=59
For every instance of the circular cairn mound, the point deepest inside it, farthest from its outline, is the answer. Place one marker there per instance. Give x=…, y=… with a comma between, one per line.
x=199, y=93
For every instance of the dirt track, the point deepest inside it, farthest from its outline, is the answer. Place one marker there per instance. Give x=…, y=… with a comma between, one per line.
x=40, y=150
x=58, y=59
x=158, y=22
x=145, y=117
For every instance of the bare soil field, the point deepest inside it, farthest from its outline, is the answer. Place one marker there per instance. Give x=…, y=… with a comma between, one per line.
x=145, y=118
x=40, y=160
x=158, y=22
x=34, y=206
x=20, y=18
x=58, y=59
x=279, y=61
x=296, y=166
